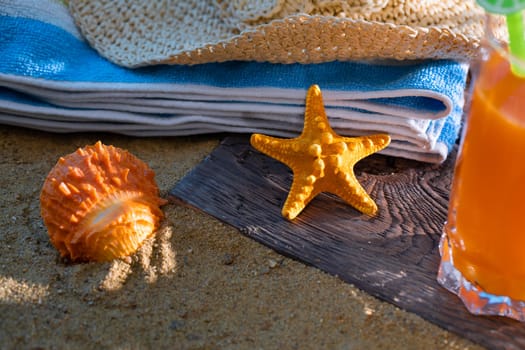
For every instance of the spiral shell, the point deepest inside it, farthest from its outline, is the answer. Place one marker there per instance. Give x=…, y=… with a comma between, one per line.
x=100, y=203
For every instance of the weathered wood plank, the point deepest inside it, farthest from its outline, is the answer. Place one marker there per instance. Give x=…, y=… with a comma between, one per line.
x=393, y=256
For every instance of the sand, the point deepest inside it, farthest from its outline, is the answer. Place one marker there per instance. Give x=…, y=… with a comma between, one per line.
x=198, y=284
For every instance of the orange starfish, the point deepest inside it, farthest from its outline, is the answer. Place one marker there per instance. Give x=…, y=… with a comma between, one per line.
x=321, y=160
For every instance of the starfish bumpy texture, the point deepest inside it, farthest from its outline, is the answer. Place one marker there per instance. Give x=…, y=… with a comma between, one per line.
x=321, y=160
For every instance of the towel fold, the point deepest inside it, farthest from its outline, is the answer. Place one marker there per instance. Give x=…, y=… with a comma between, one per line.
x=51, y=79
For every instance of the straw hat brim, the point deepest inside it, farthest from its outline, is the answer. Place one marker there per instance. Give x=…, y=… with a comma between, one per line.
x=134, y=38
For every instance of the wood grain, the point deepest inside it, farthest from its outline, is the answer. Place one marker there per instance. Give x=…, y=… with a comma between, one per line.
x=393, y=256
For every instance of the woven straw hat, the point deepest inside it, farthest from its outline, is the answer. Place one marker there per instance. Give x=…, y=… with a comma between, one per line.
x=135, y=33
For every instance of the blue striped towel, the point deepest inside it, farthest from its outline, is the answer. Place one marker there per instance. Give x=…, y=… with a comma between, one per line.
x=51, y=79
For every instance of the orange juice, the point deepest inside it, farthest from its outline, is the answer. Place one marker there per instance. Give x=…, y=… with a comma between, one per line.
x=486, y=223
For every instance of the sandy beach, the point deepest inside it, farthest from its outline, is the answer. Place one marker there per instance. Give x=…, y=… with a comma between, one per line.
x=197, y=284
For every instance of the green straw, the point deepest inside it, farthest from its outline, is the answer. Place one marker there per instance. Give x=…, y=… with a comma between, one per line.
x=516, y=42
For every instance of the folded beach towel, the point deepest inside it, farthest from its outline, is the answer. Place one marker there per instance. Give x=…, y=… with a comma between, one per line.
x=51, y=79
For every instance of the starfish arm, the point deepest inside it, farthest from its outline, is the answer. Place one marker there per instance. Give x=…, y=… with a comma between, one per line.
x=363, y=146
x=302, y=191
x=315, y=119
x=355, y=195
x=284, y=150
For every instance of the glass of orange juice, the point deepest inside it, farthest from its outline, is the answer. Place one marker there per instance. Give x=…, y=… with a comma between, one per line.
x=483, y=242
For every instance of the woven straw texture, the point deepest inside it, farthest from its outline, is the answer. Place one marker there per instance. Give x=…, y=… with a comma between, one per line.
x=135, y=33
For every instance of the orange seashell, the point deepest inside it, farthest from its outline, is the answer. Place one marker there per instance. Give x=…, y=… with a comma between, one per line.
x=100, y=203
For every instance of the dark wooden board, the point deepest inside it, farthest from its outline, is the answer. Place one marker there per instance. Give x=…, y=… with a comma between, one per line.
x=393, y=256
